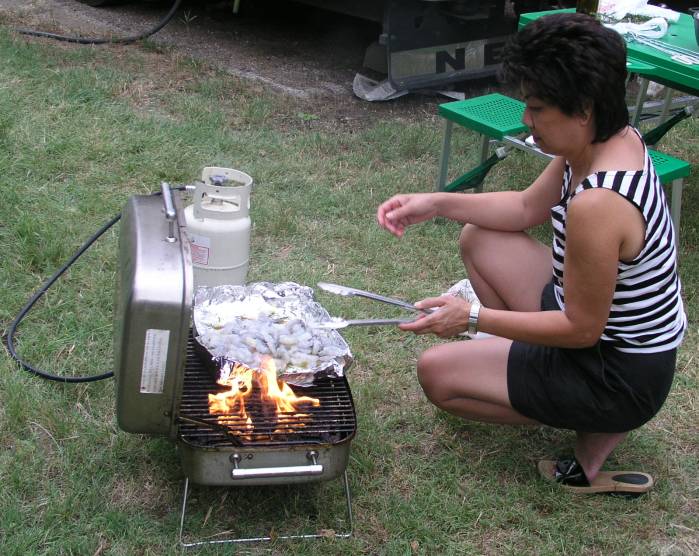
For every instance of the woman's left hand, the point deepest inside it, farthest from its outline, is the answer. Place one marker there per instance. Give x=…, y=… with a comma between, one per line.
x=449, y=319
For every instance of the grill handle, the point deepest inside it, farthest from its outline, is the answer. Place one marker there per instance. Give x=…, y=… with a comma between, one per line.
x=269, y=472
x=169, y=210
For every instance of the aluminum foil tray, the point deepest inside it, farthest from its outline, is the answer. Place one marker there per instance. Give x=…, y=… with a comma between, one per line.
x=243, y=324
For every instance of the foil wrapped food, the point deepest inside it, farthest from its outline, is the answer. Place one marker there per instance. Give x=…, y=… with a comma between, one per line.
x=245, y=324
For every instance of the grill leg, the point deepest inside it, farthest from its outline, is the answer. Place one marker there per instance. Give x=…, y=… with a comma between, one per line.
x=184, y=510
x=345, y=535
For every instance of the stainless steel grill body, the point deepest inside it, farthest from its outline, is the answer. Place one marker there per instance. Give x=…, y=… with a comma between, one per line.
x=312, y=446
x=231, y=466
x=163, y=386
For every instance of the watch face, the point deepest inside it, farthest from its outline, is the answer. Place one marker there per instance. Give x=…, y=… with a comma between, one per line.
x=473, y=318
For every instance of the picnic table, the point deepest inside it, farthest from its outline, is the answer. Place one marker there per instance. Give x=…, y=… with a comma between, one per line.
x=499, y=118
x=654, y=64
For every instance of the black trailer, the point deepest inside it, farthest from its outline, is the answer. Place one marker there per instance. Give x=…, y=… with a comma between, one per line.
x=428, y=43
x=432, y=43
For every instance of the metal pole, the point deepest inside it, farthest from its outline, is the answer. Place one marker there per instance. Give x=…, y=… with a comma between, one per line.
x=444, y=158
x=642, y=91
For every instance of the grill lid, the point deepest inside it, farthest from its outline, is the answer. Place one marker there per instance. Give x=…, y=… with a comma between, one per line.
x=153, y=312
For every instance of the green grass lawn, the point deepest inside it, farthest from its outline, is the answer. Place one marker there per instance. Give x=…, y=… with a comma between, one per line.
x=83, y=129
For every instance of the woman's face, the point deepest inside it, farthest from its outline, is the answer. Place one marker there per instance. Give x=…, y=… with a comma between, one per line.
x=555, y=132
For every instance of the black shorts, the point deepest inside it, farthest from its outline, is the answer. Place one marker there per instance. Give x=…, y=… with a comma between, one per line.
x=595, y=389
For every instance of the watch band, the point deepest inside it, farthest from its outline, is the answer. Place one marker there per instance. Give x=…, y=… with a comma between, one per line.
x=473, y=317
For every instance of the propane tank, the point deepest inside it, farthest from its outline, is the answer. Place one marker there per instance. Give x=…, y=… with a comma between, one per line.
x=218, y=227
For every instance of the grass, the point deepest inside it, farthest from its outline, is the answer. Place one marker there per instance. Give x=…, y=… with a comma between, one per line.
x=83, y=129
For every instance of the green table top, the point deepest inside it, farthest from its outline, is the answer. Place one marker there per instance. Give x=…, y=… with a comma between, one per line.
x=654, y=64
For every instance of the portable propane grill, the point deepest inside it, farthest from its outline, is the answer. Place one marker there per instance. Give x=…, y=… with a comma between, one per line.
x=163, y=385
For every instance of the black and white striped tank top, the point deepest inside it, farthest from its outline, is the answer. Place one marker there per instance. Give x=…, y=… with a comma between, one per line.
x=647, y=313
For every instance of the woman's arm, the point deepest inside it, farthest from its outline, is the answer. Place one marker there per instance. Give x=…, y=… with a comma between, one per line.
x=505, y=211
x=599, y=224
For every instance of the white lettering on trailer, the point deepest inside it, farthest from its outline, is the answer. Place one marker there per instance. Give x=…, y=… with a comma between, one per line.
x=438, y=59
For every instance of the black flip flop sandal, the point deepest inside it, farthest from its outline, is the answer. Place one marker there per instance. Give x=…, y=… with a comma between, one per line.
x=570, y=475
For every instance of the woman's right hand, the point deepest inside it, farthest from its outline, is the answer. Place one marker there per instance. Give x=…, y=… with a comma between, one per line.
x=400, y=211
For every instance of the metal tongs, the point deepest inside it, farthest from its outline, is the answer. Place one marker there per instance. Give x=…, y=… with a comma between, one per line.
x=336, y=323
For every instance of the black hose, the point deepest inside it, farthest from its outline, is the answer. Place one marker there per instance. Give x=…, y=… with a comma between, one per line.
x=42, y=290
x=10, y=336
x=123, y=40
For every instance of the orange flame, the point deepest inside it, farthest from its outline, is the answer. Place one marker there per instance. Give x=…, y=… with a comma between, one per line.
x=246, y=384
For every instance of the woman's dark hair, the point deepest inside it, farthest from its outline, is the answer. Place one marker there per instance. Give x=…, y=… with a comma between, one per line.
x=573, y=62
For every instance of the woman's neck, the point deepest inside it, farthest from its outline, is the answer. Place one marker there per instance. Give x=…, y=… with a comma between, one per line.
x=583, y=161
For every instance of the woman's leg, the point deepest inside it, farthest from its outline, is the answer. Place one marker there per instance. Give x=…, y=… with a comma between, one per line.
x=592, y=450
x=509, y=271
x=469, y=379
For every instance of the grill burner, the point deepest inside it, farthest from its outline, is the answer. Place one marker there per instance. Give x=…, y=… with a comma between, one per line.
x=333, y=421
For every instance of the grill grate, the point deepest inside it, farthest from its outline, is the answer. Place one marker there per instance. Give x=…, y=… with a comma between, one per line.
x=330, y=423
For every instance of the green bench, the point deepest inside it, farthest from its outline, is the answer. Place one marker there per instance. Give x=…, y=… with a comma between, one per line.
x=498, y=119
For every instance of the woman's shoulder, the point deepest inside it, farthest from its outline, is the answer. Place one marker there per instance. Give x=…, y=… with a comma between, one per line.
x=623, y=152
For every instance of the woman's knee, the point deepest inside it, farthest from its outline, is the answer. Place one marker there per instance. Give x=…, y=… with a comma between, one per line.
x=475, y=243
x=467, y=240
x=430, y=374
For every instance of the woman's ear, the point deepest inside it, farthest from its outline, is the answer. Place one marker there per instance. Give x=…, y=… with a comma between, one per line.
x=586, y=115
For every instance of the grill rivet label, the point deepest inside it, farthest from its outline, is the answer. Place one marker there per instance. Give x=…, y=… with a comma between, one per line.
x=155, y=348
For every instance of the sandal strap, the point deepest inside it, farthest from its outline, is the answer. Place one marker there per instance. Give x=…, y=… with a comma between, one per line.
x=568, y=471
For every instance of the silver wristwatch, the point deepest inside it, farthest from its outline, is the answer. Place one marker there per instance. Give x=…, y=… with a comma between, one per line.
x=473, y=317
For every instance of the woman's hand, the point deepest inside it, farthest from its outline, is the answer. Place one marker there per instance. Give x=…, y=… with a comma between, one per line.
x=400, y=211
x=449, y=319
